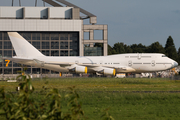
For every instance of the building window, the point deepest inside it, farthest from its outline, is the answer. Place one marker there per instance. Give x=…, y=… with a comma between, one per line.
x=0, y=35
x=45, y=36
x=94, y=51
x=74, y=45
x=35, y=36
x=7, y=45
x=74, y=36
x=64, y=53
x=8, y=71
x=28, y=71
x=64, y=45
x=7, y=53
x=73, y=53
x=54, y=72
x=54, y=45
x=16, y=64
x=27, y=36
x=16, y=70
x=64, y=36
x=54, y=53
x=36, y=44
x=45, y=71
x=36, y=71
x=54, y=36
x=0, y=45
x=45, y=52
x=6, y=37
x=1, y=59
x=45, y=45
x=0, y=53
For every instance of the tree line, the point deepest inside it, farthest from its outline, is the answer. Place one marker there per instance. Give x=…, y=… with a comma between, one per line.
x=169, y=49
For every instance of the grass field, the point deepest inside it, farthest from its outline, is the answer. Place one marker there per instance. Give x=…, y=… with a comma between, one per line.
x=127, y=98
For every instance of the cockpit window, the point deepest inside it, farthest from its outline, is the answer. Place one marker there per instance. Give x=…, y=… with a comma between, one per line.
x=164, y=56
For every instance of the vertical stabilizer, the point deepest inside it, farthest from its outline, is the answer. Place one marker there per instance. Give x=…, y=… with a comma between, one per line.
x=22, y=47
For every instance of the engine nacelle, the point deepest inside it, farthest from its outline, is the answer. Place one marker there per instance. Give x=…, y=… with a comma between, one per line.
x=108, y=71
x=79, y=69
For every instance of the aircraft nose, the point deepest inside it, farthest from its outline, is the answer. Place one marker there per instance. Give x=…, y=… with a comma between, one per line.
x=175, y=64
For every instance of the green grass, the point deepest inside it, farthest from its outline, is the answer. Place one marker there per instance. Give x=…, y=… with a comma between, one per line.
x=104, y=84
x=133, y=106
x=98, y=94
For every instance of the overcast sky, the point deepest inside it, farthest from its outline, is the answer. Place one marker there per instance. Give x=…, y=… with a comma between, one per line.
x=130, y=21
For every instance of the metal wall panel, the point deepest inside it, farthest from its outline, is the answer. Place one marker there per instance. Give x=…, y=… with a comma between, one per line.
x=17, y=25
x=60, y=12
x=67, y=25
x=55, y=25
x=77, y=25
x=5, y=25
x=42, y=25
x=30, y=25
x=39, y=25
x=36, y=12
x=11, y=12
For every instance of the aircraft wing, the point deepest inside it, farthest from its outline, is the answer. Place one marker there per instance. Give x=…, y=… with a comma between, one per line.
x=59, y=63
x=17, y=60
x=94, y=67
x=69, y=64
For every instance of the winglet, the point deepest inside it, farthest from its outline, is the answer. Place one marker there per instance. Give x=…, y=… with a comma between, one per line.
x=22, y=47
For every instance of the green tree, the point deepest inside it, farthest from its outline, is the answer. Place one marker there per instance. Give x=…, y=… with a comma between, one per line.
x=178, y=55
x=128, y=49
x=109, y=50
x=119, y=48
x=169, y=42
x=170, y=49
x=155, y=48
x=138, y=48
x=98, y=45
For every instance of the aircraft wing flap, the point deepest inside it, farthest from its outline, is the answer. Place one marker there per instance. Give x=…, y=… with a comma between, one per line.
x=69, y=64
x=59, y=63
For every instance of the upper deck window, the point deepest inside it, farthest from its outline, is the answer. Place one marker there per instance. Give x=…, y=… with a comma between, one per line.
x=164, y=56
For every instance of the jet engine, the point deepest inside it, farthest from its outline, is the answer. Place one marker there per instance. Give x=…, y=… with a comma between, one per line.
x=108, y=71
x=79, y=69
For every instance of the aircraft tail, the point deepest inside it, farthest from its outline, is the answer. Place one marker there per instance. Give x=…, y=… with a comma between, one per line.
x=22, y=47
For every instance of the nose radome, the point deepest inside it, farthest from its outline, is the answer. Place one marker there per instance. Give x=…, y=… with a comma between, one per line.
x=175, y=64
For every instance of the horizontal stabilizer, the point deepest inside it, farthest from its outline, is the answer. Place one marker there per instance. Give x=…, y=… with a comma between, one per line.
x=17, y=60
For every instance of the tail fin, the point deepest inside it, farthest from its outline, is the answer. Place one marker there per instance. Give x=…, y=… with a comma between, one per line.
x=22, y=47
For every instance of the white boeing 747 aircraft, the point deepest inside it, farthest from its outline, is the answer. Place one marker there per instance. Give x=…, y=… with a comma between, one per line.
x=107, y=65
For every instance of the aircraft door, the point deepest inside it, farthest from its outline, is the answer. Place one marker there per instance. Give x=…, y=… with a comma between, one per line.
x=129, y=63
x=153, y=63
x=139, y=56
x=101, y=62
x=76, y=62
